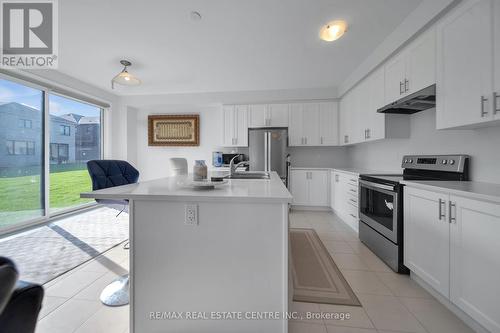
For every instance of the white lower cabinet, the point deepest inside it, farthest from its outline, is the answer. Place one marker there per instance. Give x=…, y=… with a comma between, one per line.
x=451, y=242
x=344, y=197
x=475, y=259
x=309, y=187
x=427, y=237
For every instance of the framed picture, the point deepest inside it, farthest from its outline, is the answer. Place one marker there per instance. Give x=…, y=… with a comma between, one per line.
x=174, y=130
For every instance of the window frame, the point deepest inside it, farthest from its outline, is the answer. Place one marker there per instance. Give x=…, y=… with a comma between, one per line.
x=46, y=90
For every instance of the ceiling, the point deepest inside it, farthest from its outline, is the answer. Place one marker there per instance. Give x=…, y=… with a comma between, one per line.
x=237, y=45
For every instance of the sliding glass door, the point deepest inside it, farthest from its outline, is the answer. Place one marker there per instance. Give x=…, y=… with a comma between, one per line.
x=21, y=153
x=75, y=138
x=45, y=141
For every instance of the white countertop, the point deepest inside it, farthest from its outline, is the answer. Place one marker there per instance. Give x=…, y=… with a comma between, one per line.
x=477, y=190
x=354, y=171
x=174, y=189
x=359, y=171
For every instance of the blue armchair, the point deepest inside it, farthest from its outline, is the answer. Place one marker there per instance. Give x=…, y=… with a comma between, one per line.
x=105, y=174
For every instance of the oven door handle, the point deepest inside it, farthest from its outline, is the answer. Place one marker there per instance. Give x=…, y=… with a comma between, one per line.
x=376, y=185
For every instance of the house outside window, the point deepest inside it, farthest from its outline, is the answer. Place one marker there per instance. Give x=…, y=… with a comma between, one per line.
x=65, y=130
x=25, y=123
x=59, y=152
x=15, y=147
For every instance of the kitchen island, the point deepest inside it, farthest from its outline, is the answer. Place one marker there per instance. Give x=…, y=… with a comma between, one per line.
x=222, y=273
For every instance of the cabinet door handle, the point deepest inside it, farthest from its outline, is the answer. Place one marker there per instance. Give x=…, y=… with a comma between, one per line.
x=352, y=190
x=336, y=178
x=407, y=85
x=353, y=215
x=441, y=214
x=401, y=84
x=369, y=131
x=495, y=102
x=321, y=140
x=305, y=140
x=353, y=200
x=483, y=112
x=452, y=207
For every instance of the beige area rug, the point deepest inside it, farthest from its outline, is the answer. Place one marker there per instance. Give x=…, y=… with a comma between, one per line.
x=316, y=278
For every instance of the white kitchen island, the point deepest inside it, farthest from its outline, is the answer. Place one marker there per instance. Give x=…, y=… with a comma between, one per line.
x=220, y=275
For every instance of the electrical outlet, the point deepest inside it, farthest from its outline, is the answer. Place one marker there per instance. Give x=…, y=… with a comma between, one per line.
x=191, y=215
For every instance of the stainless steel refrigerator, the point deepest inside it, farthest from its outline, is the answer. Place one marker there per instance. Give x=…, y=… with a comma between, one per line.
x=268, y=150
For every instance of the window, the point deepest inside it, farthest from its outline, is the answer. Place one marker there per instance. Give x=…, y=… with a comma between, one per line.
x=74, y=130
x=59, y=152
x=25, y=123
x=65, y=130
x=77, y=141
x=21, y=165
x=20, y=147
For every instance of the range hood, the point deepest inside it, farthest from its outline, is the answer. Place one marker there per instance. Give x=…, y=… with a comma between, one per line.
x=418, y=101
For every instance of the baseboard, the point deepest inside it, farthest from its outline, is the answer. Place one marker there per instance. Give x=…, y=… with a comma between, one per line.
x=311, y=208
x=468, y=320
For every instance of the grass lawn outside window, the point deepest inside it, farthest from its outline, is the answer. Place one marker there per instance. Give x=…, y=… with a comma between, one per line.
x=20, y=196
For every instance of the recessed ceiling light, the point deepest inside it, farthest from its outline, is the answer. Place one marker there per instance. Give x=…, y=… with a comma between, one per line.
x=333, y=30
x=195, y=16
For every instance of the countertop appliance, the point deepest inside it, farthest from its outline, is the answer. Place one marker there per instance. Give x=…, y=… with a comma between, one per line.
x=226, y=158
x=268, y=150
x=418, y=101
x=381, y=202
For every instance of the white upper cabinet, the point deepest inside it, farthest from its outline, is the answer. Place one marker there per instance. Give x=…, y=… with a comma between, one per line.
x=295, y=131
x=395, y=72
x=328, y=124
x=278, y=115
x=421, y=62
x=465, y=65
x=375, y=128
x=257, y=115
x=313, y=124
x=310, y=123
x=413, y=69
x=496, y=40
x=475, y=263
x=349, y=114
x=268, y=115
x=235, y=125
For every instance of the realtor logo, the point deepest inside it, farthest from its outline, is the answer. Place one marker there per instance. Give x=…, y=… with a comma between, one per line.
x=28, y=34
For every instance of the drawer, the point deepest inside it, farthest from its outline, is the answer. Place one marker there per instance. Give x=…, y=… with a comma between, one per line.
x=353, y=181
x=353, y=202
x=352, y=189
x=352, y=211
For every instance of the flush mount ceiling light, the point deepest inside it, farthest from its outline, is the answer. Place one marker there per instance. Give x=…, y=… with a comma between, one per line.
x=124, y=77
x=333, y=30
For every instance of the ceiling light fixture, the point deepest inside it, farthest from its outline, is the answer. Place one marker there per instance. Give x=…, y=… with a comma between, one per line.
x=124, y=77
x=333, y=30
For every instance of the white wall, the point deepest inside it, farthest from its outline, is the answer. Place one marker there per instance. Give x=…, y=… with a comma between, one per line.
x=482, y=144
x=319, y=157
x=153, y=162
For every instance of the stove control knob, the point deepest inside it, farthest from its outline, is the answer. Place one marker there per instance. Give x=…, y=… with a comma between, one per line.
x=406, y=161
x=444, y=161
x=410, y=161
x=451, y=162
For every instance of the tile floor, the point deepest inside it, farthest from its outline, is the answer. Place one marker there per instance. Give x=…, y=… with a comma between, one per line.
x=391, y=302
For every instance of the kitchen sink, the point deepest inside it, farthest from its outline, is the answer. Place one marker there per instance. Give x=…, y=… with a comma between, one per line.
x=249, y=175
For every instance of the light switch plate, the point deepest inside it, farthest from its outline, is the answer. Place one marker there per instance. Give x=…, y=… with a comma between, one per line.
x=191, y=214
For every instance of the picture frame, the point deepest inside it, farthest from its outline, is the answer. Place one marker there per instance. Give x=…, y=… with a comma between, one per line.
x=174, y=130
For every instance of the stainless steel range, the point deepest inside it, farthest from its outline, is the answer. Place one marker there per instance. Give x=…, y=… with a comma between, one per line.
x=381, y=202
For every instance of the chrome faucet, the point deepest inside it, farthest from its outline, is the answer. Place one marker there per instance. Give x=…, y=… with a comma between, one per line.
x=233, y=167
